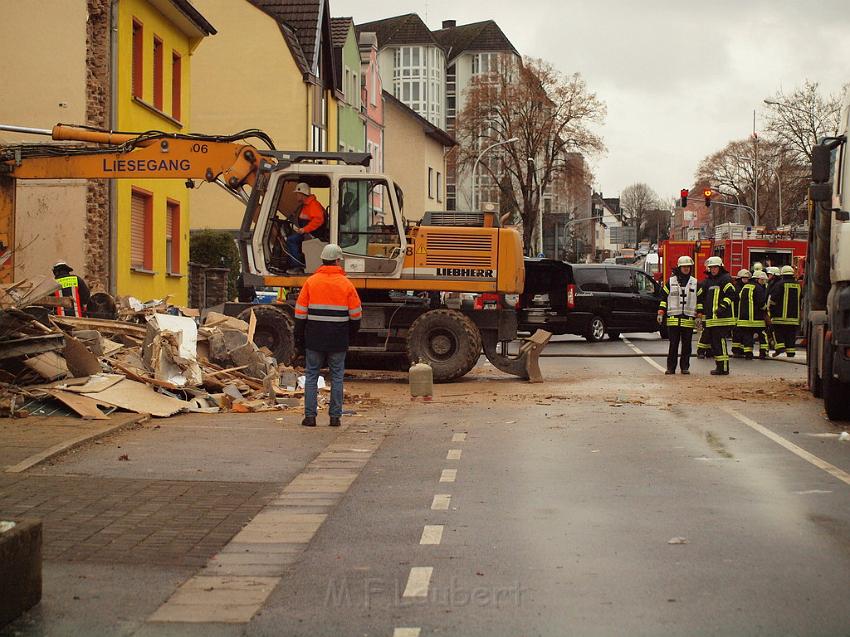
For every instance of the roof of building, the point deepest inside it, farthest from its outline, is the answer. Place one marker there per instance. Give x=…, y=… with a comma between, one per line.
x=194, y=16
x=428, y=128
x=339, y=31
x=478, y=36
x=402, y=29
x=304, y=18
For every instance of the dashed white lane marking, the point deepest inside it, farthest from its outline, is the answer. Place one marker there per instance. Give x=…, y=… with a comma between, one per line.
x=454, y=454
x=407, y=632
x=441, y=502
x=790, y=446
x=418, y=581
x=646, y=358
x=432, y=534
x=458, y=437
x=448, y=475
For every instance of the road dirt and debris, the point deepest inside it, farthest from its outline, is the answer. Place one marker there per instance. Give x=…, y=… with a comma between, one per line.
x=157, y=360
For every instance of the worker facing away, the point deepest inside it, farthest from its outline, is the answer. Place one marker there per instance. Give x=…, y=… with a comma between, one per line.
x=327, y=316
x=752, y=302
x=741, y=279
x=680, y=306
x=309, y=219
x=73, y=287
x=785, y=311
x=718, y=298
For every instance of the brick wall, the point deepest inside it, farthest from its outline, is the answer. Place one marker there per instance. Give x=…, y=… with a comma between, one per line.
x=98, y=67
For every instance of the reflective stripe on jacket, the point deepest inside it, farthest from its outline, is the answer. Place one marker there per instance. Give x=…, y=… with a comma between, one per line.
x=328, y=311
x=70, y=287
x=785, y=302
x=719, y=299
x=312, y=215
x=751, y=305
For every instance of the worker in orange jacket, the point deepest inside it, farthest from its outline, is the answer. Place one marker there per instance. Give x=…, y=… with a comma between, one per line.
x=327, y=317
x=310, y=219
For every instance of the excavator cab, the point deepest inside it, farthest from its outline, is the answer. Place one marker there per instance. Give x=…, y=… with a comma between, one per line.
x=362, y=216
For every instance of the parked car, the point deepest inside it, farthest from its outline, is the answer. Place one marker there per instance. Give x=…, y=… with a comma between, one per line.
x=589, y=300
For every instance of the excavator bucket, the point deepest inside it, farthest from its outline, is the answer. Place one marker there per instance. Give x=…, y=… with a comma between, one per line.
x=526, y=362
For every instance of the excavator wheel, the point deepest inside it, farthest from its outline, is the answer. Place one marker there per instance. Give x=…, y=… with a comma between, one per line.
x=274, y=331
x=446, y=340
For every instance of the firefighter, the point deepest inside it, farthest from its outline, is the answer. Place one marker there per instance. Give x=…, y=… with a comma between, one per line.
x=309, y=219
x=680, y=304
x=72, y=286
x=718, y=298
x=784, y=306
x=704, y=342
x=772, y=278
x=327, y=316
x=741, y=279
x=752, y=300
x=757, y=267
x=760, y=279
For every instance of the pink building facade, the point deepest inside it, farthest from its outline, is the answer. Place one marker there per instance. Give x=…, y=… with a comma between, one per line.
x=372, y=105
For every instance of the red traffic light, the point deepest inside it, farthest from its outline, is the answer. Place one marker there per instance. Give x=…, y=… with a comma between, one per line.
x=707, y=194
x=683, y=194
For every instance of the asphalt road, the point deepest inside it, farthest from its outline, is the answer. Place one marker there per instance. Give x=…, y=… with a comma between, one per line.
x=609, y=500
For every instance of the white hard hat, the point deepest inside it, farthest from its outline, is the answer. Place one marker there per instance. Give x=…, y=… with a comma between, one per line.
x=303, y=188
x=711, y=262
x=61, y=264
x=757, y=266
x=331, y=252
x=685, y=260
x=760, y=275
x=786, y=270
x=773, y=270
x=744, y=274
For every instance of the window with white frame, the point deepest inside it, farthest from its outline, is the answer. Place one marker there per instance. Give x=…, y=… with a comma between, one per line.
x=439, y=186
x=418, y=78
x=430, y=183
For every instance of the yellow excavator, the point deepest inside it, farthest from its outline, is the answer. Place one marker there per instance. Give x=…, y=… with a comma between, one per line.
x=399, y=269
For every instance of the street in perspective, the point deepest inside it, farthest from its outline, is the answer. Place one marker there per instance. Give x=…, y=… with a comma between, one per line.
x=315, y=320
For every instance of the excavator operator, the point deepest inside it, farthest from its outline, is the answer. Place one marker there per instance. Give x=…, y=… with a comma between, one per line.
x=309, y=219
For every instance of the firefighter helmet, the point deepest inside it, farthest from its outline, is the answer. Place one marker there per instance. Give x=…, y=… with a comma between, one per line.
x=773, y=270
x=757, y=266
x=744, y=274
x=711, y=262
x=761, y=275
x=787, y=270
x=684, y=260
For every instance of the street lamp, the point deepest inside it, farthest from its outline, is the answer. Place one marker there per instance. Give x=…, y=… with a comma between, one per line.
x=478, y=159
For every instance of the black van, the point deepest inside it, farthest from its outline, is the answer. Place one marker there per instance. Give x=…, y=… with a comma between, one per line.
x=587, y=299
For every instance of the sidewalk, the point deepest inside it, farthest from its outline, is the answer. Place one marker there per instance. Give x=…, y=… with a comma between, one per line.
x=26, y=442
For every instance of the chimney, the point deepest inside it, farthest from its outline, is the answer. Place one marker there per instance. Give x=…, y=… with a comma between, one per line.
x=449, y=24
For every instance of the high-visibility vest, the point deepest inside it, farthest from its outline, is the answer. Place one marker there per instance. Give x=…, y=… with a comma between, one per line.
x=682, y=300
x=71, y=283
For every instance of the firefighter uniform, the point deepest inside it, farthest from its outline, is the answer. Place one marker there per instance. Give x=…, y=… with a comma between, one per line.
x=327, y=316
x=737, y=332
x=718, y=298
x=680, y=305
x=785, y=312
x=704, y=342
x=751, y=306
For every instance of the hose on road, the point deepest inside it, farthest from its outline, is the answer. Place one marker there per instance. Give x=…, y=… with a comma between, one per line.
x=649, y=354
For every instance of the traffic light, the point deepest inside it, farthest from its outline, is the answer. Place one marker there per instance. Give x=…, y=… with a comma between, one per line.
x=707, y=194
x=683, y=193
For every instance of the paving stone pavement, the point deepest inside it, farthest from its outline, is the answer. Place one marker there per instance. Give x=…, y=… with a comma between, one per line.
x=163, y=522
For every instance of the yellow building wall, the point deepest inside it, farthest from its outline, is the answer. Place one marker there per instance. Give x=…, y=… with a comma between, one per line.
x=140, y=115
x=243, y=77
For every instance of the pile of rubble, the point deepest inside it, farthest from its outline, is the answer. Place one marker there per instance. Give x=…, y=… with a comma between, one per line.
x=162, y=361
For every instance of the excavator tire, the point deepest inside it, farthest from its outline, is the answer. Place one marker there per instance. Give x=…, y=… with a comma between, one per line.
x=446, y=340
x=274, y=330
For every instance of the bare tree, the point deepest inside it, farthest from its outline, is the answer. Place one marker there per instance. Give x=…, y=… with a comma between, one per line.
x=636, y=202
x=800, y=119
x=734, y=173
x=549, y=113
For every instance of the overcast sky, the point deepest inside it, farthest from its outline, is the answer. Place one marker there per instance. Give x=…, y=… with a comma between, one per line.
x=680, y=78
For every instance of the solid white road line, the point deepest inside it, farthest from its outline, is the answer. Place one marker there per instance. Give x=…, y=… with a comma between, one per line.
x=448, y=475
x=407, y=632
x=790, y=446
x=646, y=358
x=441, y=502
x=418, y=581
x=432, y=534
x=458, y=437
x=454, y=454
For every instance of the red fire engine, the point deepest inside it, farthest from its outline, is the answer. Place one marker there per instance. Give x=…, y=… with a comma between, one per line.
x=740, y=247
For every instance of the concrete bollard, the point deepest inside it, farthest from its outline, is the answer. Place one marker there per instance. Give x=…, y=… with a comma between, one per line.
x=20, y=574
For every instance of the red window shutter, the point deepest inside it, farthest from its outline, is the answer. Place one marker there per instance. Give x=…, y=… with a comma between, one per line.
x=138, y=61
x=172, y=237
x=157, y=73
x=141, y=230
x=176, y=84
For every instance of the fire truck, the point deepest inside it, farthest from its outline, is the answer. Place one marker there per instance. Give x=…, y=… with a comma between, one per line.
x=740, y=247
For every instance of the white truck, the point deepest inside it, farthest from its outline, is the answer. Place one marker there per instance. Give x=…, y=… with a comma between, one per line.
x=826, y=303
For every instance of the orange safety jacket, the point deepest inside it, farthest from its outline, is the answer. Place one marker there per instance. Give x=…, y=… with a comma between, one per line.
x=69, y=287
x=327, y=312
x=312, y=213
